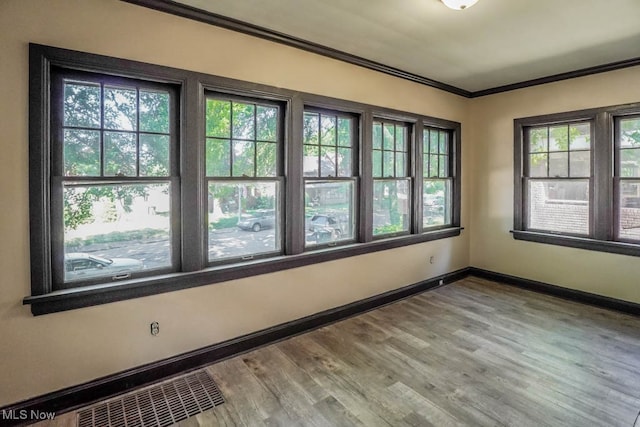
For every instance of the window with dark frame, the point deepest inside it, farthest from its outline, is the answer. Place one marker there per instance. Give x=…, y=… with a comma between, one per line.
x=577, y=179
x=437, y=178
x=330, y=178
x=392, y=202
x=558, y=177
x=147, y=179
x=244, y=178
x=114, y=180
x=627, y=176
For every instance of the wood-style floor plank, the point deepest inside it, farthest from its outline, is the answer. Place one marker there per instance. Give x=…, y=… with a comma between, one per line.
x=474, y=353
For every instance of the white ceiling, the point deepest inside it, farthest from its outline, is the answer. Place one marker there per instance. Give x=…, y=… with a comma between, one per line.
x=494, y=43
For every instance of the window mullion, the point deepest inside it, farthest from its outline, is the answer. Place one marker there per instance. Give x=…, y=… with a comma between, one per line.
x=294, y=230
x=192, y=192
x=602, y=178
x=415, y=157
x=366, y=176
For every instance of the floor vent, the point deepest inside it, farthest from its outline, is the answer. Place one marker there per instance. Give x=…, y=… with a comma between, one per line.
x=157, y=406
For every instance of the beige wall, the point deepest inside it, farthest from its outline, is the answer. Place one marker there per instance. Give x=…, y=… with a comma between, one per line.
x=46, y=353
x=491, y=146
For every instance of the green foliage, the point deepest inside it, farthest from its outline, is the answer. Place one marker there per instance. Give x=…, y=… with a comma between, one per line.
x=120, y=112
x=388, y=229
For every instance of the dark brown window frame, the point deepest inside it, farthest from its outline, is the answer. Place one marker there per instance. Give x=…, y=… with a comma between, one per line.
x=604, y=212
x=193, y=268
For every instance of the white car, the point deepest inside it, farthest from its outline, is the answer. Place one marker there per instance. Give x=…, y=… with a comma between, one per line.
x=80, y=266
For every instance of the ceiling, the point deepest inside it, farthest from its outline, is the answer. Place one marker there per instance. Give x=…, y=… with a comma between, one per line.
x=494, y=43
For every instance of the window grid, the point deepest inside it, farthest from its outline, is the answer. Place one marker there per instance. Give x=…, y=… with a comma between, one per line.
x=390, y=150
x=437, y=179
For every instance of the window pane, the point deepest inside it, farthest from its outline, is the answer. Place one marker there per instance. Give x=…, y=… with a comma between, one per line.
x=580, y=163
x=344, y=132
x=115, y=230
x=400, y=139
x=391, y=206
x=377, y=164
x=559, y=138
x=377, y=136
x=329, y=212
x=82, y=105
x=328, y=130
x=433, y=165
x=388, y=165
x=538, y=164
x=580, y=134
x=267, y=120
x=154, y=112
x=344, y=162
x=630, y=132
x=243, y=219
x=267, y=159
x=388, y=137
x=425, y=166
x=120, y=109
x=243, y=121
x=559, y=206
x=81, y=152
x=425, y=141
x=154, y=155
x=443, y=167
x=559, y=164
x=328, y=161
x=400, y=164
x=444, y=142
x=311, y=164
x=218, y=160
x=119, y=154
x=243, y=158
x=310, y=128
x=629, y=227
x=436, y=203
x=630, y=162
x=218, y=118
x=538, y=140
x=434, y=142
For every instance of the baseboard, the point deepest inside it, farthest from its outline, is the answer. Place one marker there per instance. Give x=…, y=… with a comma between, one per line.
x=81, y=395
x=558, y=291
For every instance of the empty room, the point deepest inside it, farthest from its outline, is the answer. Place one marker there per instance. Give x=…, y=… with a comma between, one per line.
x=322, y=213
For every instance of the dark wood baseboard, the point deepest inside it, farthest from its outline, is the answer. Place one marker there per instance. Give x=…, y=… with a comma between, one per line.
x=81, y=395
x=559, y=291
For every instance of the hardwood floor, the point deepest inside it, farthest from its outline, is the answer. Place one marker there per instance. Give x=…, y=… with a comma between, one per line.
x=471, y=353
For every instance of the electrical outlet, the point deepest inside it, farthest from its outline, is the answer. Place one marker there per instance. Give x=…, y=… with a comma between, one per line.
x=155, y=328
x=431, y=259
x=441, y=282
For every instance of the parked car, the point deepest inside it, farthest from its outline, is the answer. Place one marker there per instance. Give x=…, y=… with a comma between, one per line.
x=325, y=223
x=79, y=265
x=258, y=220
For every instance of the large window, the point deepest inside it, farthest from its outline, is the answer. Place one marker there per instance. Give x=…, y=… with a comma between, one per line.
x=627, y=173
x=577, y=179
x=244, y=178
x=437, y=178
x=115, y=186
x=146, y=179
x=558, y=171
x=392, y=202
x=329, y=178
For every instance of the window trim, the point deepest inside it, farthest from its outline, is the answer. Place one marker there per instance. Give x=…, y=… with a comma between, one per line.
x=604, y=211
x=195, y=270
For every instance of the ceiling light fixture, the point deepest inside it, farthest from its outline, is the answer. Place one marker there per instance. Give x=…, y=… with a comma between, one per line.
x=459, y=4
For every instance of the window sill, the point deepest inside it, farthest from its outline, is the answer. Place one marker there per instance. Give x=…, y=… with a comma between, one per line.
x=578, y=242
x=70, y=299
